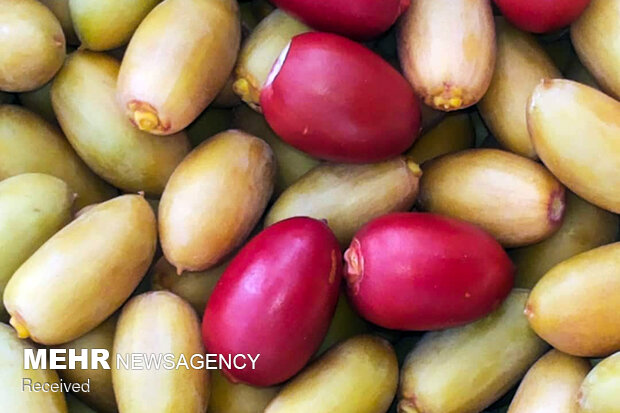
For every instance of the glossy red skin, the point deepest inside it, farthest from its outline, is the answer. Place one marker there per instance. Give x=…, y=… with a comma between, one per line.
x=541, y=16
x=420, y=271
x=276, y=299
x=359, y=19
x=336, y=100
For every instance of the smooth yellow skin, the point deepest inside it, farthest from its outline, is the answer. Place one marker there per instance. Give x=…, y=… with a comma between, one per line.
x=83, y=96
x=193, y=287
x=159, y=322
x=345, y=324
x=359, y=375
x=575, y=130
x=573, y=306
x=521, y=64
x=33, y=207
x=596, y=38
x=32, y=45
x=551, y=385
x=454, y=133
x=585, y=227
x=177, y=61
x=514, y=198
x=447, y=51
x=210, y=122
x=12, y=398
x=348, y=196
x=599, y=391
x=227, y=397
x=39, y=101
x=260, y=51
x=214, y=198
x=89, y=268
x=292, y=163
x=105, y=25
x=101, y=395
x=60, y=8
x=465, y=369
x=29, y=144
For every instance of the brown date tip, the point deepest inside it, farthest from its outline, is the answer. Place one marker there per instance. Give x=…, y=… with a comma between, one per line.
x=546, y=83
x=413, y=167
x=528, y=311
x=145, y=117
x=557, y=206
x=354, y=267
x=408, y=406
x=19, y=326
x=448, y=98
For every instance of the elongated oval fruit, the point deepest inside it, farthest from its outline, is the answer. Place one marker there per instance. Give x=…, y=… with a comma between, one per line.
x=292, y=163
x=599, y=391
x=348, y=196
x=101, y=394
x=570, y=306
x=260, y=51
x=541, y=16
x=465, y=369
x=84, y=99
x=214, y=198
x=13, y=398
x=415, y=271
x=585, y=227
x=515, y=199
x=359, y=375
x=33, y=207
x=551, y=385
x=595, y=37
x=32, y=45
x=362, y=19
x=29, y=144
x=575, y=130
x=56, y=295
x=227, y=397
x=521, y=64
x=60, y=8
x=295, y=263
x=159, y=322
x=453, y=134
x=375, y=117
x=105, y=25
x=193, y=287
x=447, y=51
x=177, y=61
